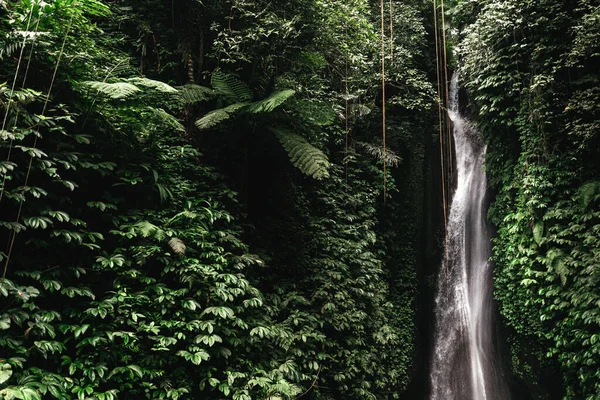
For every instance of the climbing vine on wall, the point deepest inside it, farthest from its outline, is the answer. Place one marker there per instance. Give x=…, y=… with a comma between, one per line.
x=536, y=100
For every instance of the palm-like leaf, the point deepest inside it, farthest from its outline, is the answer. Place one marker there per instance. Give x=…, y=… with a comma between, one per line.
x=192, y=94
x=166, y=118
x=231, y=87
x=117, y=90
x=271, y=102
x=215, y=117
x=306, y=157
x=152, y=84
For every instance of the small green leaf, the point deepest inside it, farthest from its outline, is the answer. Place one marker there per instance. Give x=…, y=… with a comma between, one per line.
x=5, y=372
x=137, y=369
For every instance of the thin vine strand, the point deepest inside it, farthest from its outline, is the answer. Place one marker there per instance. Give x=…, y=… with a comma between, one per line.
x=391, y=33
x=383, y=101
x=12, y=90
x=442, y=169
x=60, y=54
x=448, y=129
x=14, y=83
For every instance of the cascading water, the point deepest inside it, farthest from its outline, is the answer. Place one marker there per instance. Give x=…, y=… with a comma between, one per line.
x=465, y=362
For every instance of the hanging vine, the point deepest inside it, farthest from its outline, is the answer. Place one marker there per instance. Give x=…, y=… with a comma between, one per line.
x=447, y=90
x=441, y=135
x=391, y=33
x=383, y=100
x=20, y=209
x=12, y=90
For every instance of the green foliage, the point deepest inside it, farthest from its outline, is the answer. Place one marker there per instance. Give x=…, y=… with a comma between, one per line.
x=192, y=94
x=231, y=87
x=215, y=117
x=128, y=272
x=270, y=103
x=307, y=158
x=536, y=98
x=117, y=90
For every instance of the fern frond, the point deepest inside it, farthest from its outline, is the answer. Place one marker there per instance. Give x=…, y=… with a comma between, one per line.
x=588, y=193
x=147, y=229
x=95, y=7
x=231, y=87
x=166, y=118
x=152, y=84
x=215, y=117
x=271, y=102
x=186, y=214
x=14, y=40
x=117, y=90
x=307, y=158
x=177, y=246
x=192, y=94
x=391, y=158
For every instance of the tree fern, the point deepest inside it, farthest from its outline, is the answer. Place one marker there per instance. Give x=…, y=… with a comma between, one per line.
x=166, y=118
x=271, y=102
x=117, y=90
x=152, y=84
x=306, y=157
x=192, y=94
x=231, y=87
x=215, y=117
x=128, y=87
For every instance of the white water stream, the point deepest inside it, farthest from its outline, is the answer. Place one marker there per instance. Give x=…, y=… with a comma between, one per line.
x=465, y=365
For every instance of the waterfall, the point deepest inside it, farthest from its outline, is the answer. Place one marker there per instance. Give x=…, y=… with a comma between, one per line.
x=465, y=363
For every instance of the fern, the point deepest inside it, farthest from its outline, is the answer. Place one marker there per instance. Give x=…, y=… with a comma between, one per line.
x=192, y=94
x=95, y=7
x=231, y=87
x=15, y=40
x=117, y=90
x=166, y=118
x=589, y=193
x=271, y=102
x=152, y=84
x=129, y=87
x=215, y=117
x=391, y=158
x=306, y=157
x=147, y=229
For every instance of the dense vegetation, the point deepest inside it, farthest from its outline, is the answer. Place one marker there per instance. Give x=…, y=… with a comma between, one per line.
x=193, y=201
x=194, y=204
x=537, y=101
